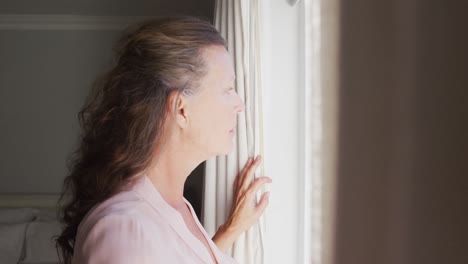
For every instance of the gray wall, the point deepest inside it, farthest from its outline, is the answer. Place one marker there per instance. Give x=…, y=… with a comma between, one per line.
x=403, y=133
x=203, y=8
x=44, y=78
x=45, y=75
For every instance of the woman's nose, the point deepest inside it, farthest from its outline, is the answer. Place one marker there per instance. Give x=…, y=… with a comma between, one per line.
x=240, y=106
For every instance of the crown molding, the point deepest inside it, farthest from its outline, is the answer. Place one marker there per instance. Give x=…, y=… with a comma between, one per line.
x=66, y=22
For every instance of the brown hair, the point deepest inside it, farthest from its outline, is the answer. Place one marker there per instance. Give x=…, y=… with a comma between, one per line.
x=122, y=118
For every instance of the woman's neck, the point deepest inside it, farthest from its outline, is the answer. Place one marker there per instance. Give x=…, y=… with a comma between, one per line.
x=170, y=171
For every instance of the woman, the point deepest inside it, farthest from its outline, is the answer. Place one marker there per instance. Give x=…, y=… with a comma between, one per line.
x=166, y=106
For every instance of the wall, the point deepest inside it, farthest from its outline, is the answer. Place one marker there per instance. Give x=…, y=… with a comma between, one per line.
x=44, y=78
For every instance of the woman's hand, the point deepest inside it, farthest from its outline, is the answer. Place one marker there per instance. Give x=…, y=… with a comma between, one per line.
x=245, y=212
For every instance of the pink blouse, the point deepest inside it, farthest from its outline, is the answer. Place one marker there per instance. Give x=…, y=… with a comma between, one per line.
x=139, y=226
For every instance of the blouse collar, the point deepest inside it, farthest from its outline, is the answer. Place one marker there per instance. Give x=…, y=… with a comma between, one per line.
x=148, y=191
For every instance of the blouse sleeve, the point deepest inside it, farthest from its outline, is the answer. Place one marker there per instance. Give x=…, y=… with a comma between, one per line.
x=117, y=239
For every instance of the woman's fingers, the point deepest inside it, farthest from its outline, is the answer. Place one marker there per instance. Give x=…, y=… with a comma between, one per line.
x=248, y=175
x=236, y=187
x=263, y=203
x=255, y=186
x=246, y=166
x=245, y=211
x=239, y=179
x=241, y=176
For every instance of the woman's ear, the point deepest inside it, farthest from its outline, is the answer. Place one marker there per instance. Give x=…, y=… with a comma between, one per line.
x=178, y=108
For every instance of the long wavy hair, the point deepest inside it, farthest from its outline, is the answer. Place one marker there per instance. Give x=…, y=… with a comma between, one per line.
x=122, y=119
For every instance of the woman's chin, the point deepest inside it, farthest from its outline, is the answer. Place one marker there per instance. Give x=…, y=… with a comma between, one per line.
x=227, y=150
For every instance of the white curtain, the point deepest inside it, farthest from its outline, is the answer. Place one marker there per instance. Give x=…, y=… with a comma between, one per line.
x=312, y=129
x=239, y=23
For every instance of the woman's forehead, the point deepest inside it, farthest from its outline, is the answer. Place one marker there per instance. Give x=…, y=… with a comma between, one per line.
x=219, y=64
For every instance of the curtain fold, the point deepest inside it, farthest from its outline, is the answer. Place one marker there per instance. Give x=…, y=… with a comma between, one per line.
x=239, y=23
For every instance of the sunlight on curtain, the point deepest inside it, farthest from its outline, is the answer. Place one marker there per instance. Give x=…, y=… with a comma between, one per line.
x=312, y=133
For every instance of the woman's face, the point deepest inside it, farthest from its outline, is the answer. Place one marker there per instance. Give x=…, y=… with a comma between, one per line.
x=213, y=108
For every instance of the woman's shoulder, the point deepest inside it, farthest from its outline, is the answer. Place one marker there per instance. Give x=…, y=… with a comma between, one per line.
x=124, y=206
x=109, y=227
x=114, y=238
x=125, y=203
